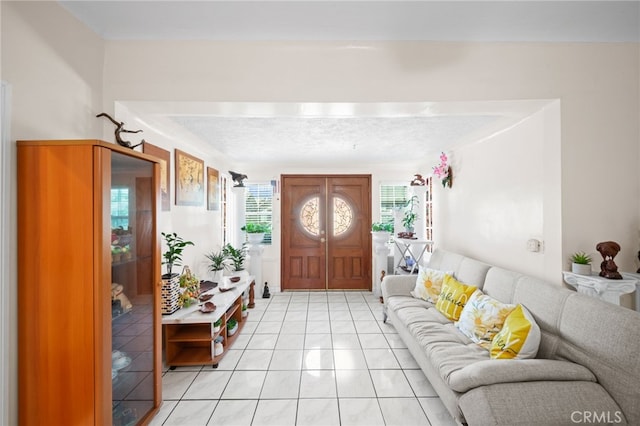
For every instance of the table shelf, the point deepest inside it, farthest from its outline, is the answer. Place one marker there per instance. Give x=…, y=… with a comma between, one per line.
x=189, y=335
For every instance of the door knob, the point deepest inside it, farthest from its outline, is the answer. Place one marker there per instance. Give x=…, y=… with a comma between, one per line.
x=322, y=240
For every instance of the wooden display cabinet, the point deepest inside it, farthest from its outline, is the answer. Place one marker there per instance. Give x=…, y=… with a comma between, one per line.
x=89, y=332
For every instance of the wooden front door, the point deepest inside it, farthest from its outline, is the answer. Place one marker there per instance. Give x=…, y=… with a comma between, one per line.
x=326, y=243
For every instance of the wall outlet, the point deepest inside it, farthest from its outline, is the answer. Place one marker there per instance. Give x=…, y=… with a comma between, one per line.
x=534, y=245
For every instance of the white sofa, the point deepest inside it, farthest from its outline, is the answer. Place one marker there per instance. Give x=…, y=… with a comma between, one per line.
x=587, y=369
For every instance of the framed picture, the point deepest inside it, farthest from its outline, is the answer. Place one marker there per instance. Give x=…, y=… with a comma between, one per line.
x=165, y=163
x=213, y=189
x=189, y=180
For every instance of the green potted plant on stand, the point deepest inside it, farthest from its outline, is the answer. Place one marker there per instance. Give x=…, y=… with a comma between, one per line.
x=381, y=231
x=410, y=216
x=580, y=263
x=170, y=291
x=256, y=231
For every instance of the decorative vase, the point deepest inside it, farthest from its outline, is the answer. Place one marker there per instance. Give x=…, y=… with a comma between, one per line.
x=170, y=294
x=381, y=236
x=581, y=269
x=217, y=276
x=255, y=237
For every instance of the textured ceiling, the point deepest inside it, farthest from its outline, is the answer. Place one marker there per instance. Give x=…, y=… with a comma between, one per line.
x=333, y=140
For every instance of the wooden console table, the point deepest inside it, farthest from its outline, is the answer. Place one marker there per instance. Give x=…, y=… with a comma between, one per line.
x=190, y=335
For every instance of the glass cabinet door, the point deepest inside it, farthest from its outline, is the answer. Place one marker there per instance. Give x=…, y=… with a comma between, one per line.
x=132, y=301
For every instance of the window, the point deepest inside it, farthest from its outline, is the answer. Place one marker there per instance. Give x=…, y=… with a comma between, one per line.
x=120, y=207
x=259, y=205
x=392, y=196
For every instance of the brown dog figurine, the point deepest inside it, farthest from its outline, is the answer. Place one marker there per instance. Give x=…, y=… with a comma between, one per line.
x=608, y=268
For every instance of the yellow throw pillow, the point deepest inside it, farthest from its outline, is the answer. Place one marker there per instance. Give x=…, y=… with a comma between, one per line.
x=482, y=318
x=453, y=297
x=519, y=337
x=428, y=284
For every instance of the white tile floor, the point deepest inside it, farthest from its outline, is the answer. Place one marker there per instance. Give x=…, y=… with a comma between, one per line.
x=307, y=358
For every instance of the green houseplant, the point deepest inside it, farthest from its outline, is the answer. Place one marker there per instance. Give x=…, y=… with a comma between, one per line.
x=382, y=227
x=256, y=231
x=256, y=228
x=173, y=256
x=410, y=216
x=580, y=263
x=217, y=264
x=237, y=256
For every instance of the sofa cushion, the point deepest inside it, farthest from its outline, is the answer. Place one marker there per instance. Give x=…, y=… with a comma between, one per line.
x=540, y=403
x=398, y=302
x=519, y=337
x=489, y=372
x=454, y=297
x=411, y=315
x=482, y=318
x=429, y=284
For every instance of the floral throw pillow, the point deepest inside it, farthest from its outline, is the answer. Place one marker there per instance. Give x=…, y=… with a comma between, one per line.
x=482, y=318
x=519, y=337
x=428, y=284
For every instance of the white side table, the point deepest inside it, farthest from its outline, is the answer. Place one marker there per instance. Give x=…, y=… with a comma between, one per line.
x=415, y=249
x=602, y=288
x=634, y=276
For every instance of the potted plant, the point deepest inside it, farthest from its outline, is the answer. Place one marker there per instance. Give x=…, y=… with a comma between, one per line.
x=381, y=231
x=216, y=325
x=173, y=256
x=236, y=256
x=232, y=326
x=217, y=264
x=256, y=231
x=410, y=216
x=170, y=291
x=580, y=263
x=244, y=310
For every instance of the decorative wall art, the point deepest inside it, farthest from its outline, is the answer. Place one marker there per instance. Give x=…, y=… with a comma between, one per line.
x=189, y=180
x=213, y=189
x=165, y=163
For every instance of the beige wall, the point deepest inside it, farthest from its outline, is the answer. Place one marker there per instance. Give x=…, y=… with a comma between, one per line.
x=597, y=85
x=55, y=68
x=505, y=193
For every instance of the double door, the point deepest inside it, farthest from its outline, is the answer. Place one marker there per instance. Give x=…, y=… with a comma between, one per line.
x=326, y=239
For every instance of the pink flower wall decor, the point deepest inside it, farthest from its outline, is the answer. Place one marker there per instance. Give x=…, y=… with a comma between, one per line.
x=443, y=171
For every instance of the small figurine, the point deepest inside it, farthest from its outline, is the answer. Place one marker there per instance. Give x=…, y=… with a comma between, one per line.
x=608, y=268
x=238, y=178
x=265, y=292
x=638, y=271
x=119, y=129
x=418, y=180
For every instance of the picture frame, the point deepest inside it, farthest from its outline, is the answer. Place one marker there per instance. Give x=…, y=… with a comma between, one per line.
x=189, y=179
x=165, y=164
x=213, y=189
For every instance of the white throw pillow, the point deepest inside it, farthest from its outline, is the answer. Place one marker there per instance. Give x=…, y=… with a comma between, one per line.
x=429, y=284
